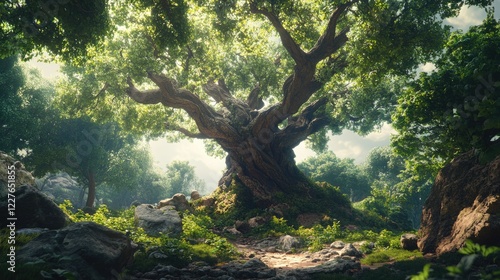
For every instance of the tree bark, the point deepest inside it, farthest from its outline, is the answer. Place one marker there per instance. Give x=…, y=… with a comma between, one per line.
x=91, y=187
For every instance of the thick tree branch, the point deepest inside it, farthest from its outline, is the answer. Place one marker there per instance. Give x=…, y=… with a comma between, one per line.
x=144, y=97
x=330, y=42
x=218, y=92
x=254, y=101
x=289, y=43
x=209, y=123
x=186, y=132
x=300, y=127
x=239, y=110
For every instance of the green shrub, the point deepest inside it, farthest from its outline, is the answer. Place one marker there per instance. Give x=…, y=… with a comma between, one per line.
x=197, y=242
x=476, y=262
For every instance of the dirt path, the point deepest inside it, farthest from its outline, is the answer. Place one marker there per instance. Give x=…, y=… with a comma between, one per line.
x=267, y=251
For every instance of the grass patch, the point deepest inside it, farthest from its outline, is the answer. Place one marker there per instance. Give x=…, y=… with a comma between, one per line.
x=389, y=255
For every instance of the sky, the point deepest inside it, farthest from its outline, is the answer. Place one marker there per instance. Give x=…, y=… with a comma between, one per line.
x=346, y=145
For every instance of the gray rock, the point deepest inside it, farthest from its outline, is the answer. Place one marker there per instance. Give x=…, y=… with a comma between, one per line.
x=288, y=242
x=242, y=226
x=8, y=165
x=33, y=210
x=350, y=250
x=179, y=201
x=232, y=230
x=408, y=241
x=256, y=221
x=153, y=221
x=195, y=195
x=60, y=187
x=337, y=245
x=29, y=231
x=85, y=250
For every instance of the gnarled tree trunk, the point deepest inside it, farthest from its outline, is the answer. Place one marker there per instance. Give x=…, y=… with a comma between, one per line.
x=259, y=142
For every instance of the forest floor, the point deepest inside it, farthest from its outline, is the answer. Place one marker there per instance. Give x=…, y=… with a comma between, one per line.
x=266, y=250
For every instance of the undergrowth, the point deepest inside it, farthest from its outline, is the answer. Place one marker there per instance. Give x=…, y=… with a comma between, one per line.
x=197, y=242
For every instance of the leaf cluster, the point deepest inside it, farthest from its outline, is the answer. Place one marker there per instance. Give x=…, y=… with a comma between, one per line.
x=66, y=28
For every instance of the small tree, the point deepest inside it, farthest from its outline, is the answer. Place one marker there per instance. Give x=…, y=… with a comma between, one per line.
x=343, y=173
x=79, y=147
x=25, y=99
x=180, y=178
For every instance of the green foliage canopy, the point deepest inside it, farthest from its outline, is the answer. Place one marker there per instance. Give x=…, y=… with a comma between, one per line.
x=25, y=104
x=181, y=178
x=342, y=173
x=205, y=40
x=456, y=107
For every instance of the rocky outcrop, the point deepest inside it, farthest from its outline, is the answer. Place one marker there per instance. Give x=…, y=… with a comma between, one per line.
x=30, y=207
x=464, y=204
x=33, y=209
x=155, y=221
x=83, y=250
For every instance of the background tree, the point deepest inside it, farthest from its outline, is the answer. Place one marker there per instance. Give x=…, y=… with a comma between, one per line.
x=317, y=55
x=343, y=173
x=456, y=107
x=131, y=178
x=25, y=104
x=397, y=194
x=68, y=28
x=79, y=147
x=181, y=178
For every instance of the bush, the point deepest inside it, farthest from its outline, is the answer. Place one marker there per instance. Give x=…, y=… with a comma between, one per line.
x=197, y=242
x=478, y=262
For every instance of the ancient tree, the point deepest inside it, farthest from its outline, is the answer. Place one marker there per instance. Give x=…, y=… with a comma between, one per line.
x=255, y=77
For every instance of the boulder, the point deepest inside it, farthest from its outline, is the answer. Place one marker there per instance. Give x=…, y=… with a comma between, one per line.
x=287, y=242
x=179, y=201
x=350, y=250
x=257, y=221
x=60, y=187
x=8, y=165
x=195, y=195
x=85, y=250
x=337, y=244
x=155, y=221
x=242, y=226
x=464, y=203
x=408, y=241
x=33, y=209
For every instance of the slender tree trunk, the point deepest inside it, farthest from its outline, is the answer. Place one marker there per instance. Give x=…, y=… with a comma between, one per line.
x=91, y=186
